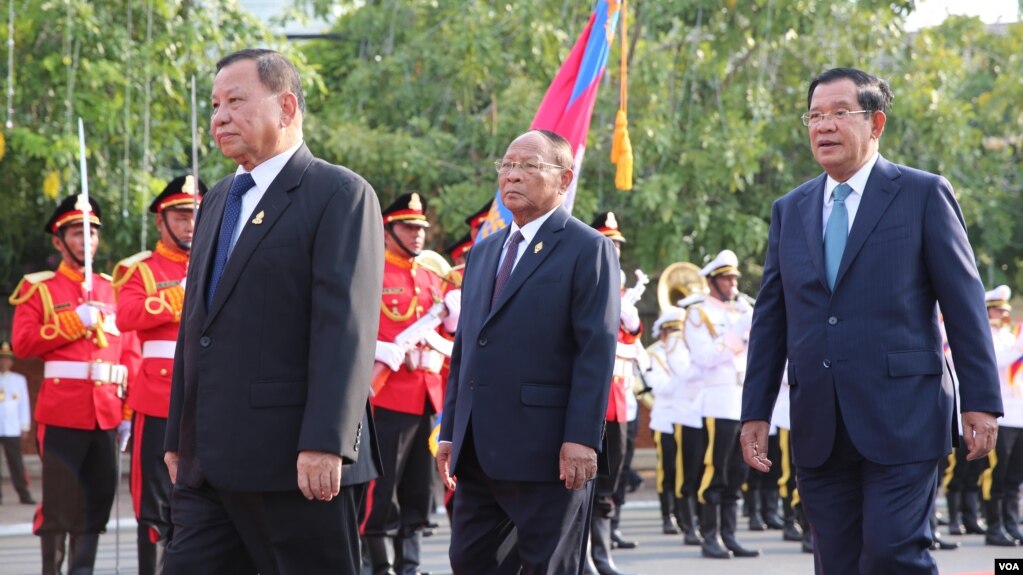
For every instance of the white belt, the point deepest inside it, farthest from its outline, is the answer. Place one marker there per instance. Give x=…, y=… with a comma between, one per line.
x=625, y=368
x=101, y=372
x=158, y=349
x=427, y=359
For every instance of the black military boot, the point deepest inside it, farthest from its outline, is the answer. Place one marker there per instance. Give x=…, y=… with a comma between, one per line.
x=83, y=553
x=805, y=526
x=410, y=551
x=971, y=513
x=769, y=509
x=955, y=516
x=686, y=509
x=996, y=534
x=53, y=548
x=668, y=524
x=729, y=519
x=618, y=540
x=380, y=551
x=756, y=517
x=710, y=528
x=1010, y=517
x=600, y=537
x=937, y=543
x=790, y=525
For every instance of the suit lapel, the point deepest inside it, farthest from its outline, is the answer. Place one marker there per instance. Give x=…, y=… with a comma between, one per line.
x=546, y=238
x=811, y=206
x=880, y=191
x=210, y=215
x=488, y=259
x=273, y=203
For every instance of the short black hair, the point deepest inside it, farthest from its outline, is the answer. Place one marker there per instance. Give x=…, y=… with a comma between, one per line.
x=875, y=95
x=276, y=71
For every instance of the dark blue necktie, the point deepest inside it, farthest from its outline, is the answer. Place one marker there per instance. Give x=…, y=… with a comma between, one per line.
x=232, y=211
x=506, y=266
x=836, y=234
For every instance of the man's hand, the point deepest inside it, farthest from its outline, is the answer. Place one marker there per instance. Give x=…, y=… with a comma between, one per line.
x=577, y=464
x=753, y=441
x=444, y=450
x=170, y=458
x=980, y=430
x=319, y=474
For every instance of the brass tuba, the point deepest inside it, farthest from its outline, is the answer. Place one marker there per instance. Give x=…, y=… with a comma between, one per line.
x=677, y=281
x=434, y=262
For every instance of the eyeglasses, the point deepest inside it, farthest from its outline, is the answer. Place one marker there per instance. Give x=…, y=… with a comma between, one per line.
x=811, y=118
x=531, y=168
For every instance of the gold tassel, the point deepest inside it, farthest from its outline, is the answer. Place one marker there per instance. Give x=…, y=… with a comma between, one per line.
x=621, y=146
x=623, y=175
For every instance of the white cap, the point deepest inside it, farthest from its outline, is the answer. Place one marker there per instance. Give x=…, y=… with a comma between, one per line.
x=999, y=297
x=673, y=317
x=726, y=263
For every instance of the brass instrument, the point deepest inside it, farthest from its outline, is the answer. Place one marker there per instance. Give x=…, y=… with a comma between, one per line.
x=434, y=262
x=677, y=281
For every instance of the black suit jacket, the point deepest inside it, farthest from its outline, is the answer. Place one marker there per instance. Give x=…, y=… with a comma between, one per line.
x=872, y=344
x=281, y=361
x=534, y=370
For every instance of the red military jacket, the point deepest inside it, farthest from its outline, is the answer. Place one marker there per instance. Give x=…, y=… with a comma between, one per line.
x=149, y=301
x=622, y=378
x=409, y=292
x=46, y=325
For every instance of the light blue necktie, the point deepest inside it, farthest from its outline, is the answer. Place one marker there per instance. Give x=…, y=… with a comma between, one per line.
x=232, y=211
x=836, y=233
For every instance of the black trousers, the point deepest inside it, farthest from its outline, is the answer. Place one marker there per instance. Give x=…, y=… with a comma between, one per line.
x=271, y=533
x=607, y=481
x=16, y=465
x=631, y=429
x=79, y=479
x=724, y=470
x=680, y=460
x=400, y=497
x=516, y=527
x=1006, y=465
x=786, y=468
x=150, y=481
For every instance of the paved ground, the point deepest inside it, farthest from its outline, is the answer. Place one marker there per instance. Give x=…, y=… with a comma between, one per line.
x=657, y=554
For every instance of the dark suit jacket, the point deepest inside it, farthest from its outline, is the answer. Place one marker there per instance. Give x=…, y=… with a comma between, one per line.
x=873, y=345
x=534, y=371
x=281, y=362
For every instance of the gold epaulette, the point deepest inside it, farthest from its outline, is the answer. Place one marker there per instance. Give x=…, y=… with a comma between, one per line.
x=126, y=267
x=106, y=277
x=696, y=319
x=35, y=280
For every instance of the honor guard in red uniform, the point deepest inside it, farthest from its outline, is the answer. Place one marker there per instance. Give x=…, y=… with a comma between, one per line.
x=79, y=412
x=476, y=219
x=150, y=293
x=411, y=350
x=616, y=421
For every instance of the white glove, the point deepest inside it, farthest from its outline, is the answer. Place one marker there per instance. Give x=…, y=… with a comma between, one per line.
x=123, y=434
x=630, y=317
x=734, y=343
x=183, y=283
x=453, y=301
x=390, y=354
x=89, y=315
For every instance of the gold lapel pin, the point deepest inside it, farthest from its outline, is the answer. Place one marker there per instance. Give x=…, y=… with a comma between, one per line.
x=259, y=218
x=537, y=248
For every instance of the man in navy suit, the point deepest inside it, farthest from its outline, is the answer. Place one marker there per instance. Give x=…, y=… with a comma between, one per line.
x=856, y=260
x=530, y=375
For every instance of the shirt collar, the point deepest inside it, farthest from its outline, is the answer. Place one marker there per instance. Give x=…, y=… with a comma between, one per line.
x=858, y=181
x=265, y=173
x=529, y=230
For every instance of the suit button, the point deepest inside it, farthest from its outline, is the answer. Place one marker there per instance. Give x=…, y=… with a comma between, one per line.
x=205, y=341
x=482, y=341
x=832, y=320
x=472, y=385
x=826, y=363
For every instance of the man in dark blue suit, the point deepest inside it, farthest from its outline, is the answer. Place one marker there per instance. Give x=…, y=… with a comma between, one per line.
x=530, y=375
x=856, y=260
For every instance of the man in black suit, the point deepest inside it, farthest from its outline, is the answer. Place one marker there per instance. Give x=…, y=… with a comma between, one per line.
x=268, y=411
x=530, y=375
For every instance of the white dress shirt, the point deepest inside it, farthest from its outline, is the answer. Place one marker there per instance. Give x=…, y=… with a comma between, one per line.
x=858, y=183
x=264, y=174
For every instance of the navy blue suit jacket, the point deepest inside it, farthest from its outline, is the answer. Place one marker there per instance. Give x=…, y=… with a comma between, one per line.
x=873, y=345
x=534, y=371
